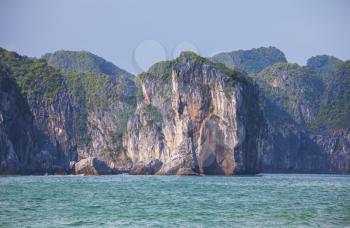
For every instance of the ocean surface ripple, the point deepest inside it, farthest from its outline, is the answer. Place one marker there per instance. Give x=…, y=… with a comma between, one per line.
x=267, y=200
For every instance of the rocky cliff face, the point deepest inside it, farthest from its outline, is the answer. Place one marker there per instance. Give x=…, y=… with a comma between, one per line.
x=294, y=103
x=81, y=114
x=331, y=128
x=37, y=117
x=71, y=116
x=194, y=116
x=14, y=115
x=306, y=108
x=294, y=89
x=106, y=98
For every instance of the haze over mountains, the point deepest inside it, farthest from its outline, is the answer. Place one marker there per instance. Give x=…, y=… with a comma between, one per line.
x=238, y=112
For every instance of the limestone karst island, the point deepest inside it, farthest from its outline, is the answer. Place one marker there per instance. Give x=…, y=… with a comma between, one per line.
x=174, y=113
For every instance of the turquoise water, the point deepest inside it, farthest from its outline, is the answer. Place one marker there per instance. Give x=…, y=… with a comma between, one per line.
x=171, y=201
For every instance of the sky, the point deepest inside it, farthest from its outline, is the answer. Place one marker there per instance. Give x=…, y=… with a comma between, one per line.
x=134, y=34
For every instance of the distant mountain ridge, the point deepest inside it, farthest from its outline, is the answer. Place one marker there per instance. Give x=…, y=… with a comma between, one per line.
x=83, y=61
x=251, y=61
x=323, y=65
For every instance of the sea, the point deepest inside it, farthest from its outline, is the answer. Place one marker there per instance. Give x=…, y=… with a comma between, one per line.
x=265, y=200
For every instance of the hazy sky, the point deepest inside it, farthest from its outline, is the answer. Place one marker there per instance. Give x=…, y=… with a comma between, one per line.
x=134, y=34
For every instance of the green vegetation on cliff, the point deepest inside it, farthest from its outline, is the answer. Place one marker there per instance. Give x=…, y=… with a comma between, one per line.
x=35, y=77
x=335, y=109
x=293, y=89
x=83, y=61
x=96, y=88
x=251, y=61
x=163, y=69
x=323, y=65
x=154, y=113
x=103, y=95
x=225, y=69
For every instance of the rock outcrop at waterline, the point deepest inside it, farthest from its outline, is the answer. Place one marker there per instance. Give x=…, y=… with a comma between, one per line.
x=195, y=117
x=92, y=166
